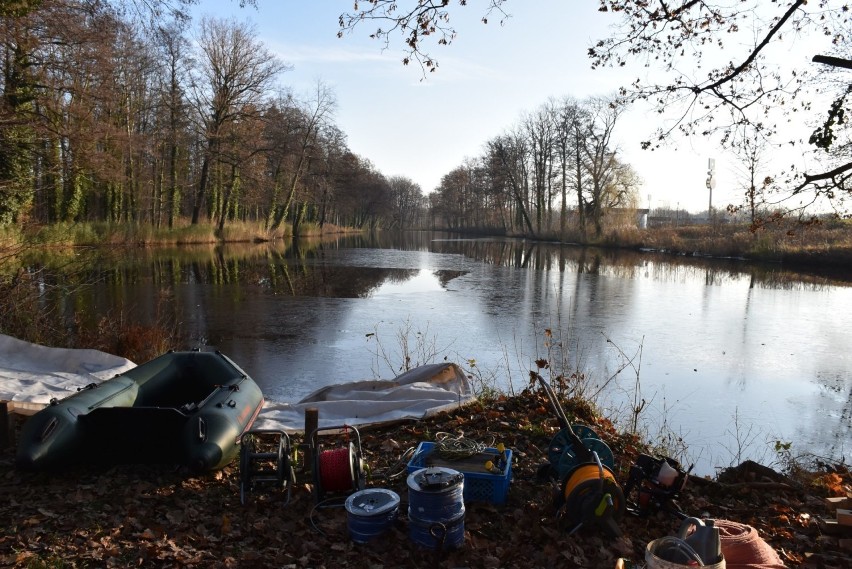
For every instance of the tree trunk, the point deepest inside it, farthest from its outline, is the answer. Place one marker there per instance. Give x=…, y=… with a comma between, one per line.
x=202, y=186
x=226, y=198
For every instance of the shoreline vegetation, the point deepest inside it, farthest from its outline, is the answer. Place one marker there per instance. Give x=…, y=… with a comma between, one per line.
x=827, y=244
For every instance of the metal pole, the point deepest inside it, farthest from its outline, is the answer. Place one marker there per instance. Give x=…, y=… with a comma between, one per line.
x=710, y=206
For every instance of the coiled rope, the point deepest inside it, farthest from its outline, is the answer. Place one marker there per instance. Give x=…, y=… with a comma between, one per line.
x=452, y=447
x=398, y=469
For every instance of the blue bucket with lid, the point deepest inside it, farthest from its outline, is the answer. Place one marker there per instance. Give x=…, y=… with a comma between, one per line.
x=370, y=513
x=436, y=508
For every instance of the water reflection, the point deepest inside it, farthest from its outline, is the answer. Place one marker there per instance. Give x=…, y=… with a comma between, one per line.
x=718, y=338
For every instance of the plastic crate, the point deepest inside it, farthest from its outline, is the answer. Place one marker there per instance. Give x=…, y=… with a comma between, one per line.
x=478, y=486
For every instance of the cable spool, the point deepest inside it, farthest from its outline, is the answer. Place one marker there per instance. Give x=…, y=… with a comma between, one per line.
x=336, y=469
x=370, y=513
x=340, y=470
x=590, y=493
x=563, y=456
x=436, y=508
x=265, y=460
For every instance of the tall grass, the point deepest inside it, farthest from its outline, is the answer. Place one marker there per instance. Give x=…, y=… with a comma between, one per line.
x=122, y=333
x=29, y=313
x=30, y=310
x=100, y=233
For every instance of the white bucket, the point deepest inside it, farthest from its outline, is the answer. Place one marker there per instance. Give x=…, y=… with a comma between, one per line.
x=654, y=562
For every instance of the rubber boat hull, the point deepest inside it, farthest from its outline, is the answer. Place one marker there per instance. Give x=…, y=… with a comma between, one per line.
x=183, y=408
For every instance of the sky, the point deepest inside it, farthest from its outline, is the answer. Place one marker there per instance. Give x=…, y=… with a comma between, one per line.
x=488, y=77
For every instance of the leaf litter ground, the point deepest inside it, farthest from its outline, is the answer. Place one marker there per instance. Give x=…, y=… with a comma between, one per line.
x=154, y=516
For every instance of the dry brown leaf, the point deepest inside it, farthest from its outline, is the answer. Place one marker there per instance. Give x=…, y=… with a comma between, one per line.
x=147, y=534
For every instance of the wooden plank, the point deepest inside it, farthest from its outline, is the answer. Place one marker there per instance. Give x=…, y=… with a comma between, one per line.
x=5, y=425
x=844, y=517
x=311, y=425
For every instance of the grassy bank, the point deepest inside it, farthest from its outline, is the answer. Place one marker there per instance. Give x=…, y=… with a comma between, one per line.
x=827, y=244
x=135, y=234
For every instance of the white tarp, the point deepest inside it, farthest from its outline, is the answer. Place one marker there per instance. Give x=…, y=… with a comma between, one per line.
x=418, y=393
x=35, y=374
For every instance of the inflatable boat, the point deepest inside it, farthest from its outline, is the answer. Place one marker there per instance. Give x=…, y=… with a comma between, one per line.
x=182, y=408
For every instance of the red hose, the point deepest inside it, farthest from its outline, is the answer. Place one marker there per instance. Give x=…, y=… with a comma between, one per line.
x=335, y=470
x=743, y=548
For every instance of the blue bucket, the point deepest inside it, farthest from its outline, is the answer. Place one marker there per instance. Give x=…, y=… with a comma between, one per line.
x=370, y=513
x=436, y=508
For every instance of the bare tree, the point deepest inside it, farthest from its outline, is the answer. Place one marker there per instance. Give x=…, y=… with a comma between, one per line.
x=174, y=58
x=330, y=165
x=752, y=154
x=756, y=87
x=510, y=153
x=600, y=158
x=234, y=72
x=407, y=201
x=417, y=21
x=540, y=131
x=571, y=120
x=313, y=115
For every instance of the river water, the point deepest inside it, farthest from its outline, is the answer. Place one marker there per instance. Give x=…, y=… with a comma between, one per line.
x=728, y=356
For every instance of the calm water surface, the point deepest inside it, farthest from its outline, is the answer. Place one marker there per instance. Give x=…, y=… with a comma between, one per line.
x=729, y=356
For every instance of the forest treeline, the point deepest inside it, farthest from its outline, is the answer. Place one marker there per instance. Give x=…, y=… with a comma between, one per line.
x=555, y=170
x=121, y=112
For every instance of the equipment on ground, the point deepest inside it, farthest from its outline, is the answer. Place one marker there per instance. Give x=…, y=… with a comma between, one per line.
x=185, y=408
x=265, y=462
x=657, y=482
x=583, y=465
x=339, y=468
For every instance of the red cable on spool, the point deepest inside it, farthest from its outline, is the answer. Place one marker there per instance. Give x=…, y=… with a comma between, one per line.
x=335, y=470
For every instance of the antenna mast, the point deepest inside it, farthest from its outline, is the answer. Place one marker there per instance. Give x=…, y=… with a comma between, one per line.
x=711, y=183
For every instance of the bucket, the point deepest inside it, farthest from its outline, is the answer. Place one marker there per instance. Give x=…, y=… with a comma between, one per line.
x=675, y=553
x=370, y=513
x=436, y=508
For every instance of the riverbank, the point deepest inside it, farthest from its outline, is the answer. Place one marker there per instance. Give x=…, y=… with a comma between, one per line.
x=828, y=243
x=149, y=516
x=820, y=247
x=102, y=234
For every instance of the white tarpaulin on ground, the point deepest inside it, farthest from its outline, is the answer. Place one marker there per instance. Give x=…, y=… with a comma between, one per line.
x=418, y=393
x=36, y=374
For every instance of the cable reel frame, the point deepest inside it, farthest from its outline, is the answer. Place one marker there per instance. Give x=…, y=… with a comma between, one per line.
x=265, y=461
x=651, y=495
x=589, y=491
x=590, y=495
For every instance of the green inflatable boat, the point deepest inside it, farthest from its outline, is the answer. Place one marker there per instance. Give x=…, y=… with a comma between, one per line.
x=183, y=408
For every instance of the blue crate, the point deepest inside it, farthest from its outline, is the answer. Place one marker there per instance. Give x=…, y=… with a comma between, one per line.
x=478, y=486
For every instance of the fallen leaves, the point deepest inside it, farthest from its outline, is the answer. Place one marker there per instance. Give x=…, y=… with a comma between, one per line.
x=145, y=516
